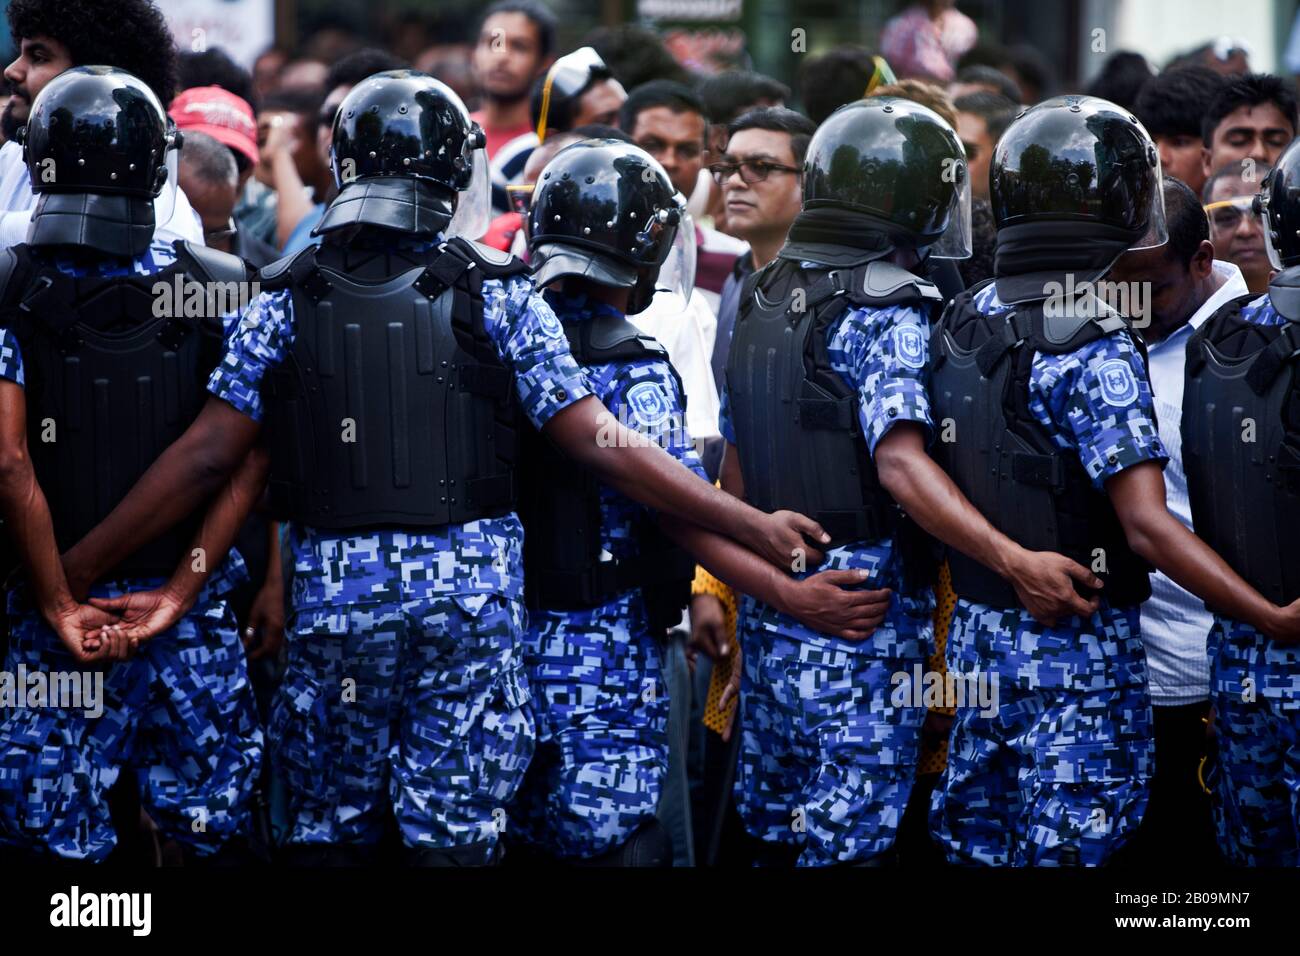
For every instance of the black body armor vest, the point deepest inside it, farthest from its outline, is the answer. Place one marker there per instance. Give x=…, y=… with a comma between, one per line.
x=1004, y=461
x=1241, y=446
x=560, y=508
x=111, y=383
x=392, y=407
x=796, y=421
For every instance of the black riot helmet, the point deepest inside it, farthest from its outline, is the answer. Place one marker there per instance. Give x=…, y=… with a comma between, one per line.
x=97, y=146
x=606, y=211
x=1279, y=203
x=898, y=164
x=407, y=157
x=1076, y=159
x=1074, y=182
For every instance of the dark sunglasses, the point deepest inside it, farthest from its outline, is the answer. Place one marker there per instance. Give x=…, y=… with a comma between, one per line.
x=750, y=171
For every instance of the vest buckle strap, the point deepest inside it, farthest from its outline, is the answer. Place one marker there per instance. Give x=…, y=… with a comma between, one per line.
x=487, y=380
x=1269, y=362
x=490, y=492
x=826, y=413
x=1045, y=471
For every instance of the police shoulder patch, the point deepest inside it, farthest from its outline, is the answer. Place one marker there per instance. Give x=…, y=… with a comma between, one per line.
x=648, y=404
x=1118, y=384
x=909, y=345
x=548, y=320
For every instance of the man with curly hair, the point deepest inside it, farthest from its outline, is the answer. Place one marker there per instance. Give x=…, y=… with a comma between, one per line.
x=54, y=35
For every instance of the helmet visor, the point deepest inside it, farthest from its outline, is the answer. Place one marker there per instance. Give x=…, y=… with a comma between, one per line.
x=474, y=203
x=955, y=243
x=677, y=274
x=1157, y=233
x=164, y=204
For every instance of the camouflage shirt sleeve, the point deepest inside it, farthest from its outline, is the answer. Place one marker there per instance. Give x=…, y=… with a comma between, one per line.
x=11, y=358
x=725, y=426
x=530, y=341
x=646, y=398
x=258, y=344
x=1097, y=402
x=884, y=354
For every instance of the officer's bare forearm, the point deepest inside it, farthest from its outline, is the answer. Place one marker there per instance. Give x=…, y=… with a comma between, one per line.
x=731, y=563
x=623, y=459
x=27, y=518
x=934, y=502
x=190, y=471
x=226, y=514
x=1138, y=494
x=26, y=511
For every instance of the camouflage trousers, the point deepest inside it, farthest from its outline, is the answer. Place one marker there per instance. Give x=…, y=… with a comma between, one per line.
x=1255, y=779
x=602, y=729
x=826, y=758
x=1053, y=777
x=419, y=705
x=179, y=715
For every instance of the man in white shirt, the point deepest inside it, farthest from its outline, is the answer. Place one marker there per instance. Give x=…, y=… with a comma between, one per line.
x=1181, y=285
x=49, y=43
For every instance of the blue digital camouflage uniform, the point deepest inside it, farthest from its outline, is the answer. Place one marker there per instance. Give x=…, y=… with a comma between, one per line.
x=1255, y=689
x=596, y=677
x=1066, y=759
x=179, y=714
x=826, y=758
x=405, y=683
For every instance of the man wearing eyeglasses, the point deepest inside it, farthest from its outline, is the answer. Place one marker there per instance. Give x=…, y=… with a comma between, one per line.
x=1235, y=227
x=666, y=119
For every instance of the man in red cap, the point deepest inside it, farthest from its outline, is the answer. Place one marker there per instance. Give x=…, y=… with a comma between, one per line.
x=225, y=117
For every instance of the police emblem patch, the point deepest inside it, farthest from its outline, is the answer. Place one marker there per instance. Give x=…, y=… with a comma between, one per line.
x=909, y=345
x=548, y=321
x=1118, y=386
x=648, y=403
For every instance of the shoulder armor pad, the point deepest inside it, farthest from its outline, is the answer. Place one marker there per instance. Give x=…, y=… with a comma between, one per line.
x=9, y=269
x=884, y=283
x=493, y=263
x=609, y=338
x=276, y=274
x=215, y=265
x=1090, y=318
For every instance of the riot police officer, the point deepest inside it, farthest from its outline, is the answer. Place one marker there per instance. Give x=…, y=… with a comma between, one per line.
x=826, y=412
x=113, y=366
x=389, y=364
x=1054, y=438
x=603, y=582
x=1241, y=451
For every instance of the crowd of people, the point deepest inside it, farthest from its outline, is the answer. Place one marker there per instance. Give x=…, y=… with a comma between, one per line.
x=612, y=458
